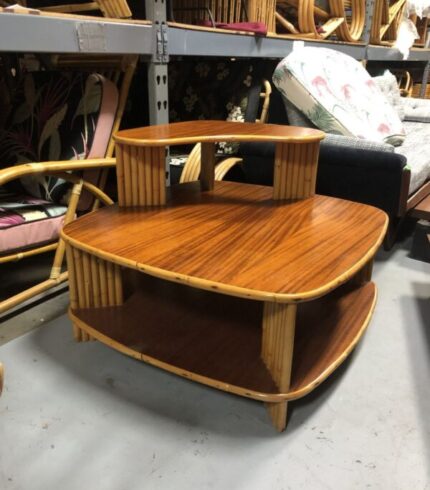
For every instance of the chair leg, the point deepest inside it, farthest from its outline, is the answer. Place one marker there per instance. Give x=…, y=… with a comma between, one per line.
x=277, y=346
x=19, y=298
x=70, y=215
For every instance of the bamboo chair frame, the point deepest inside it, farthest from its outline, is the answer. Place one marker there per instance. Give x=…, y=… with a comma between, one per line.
x=192, y=167
x=118, y=9
x=113, y=67
x=404, y=81
x=335, y=20
x=233, y=11
x=387, y=16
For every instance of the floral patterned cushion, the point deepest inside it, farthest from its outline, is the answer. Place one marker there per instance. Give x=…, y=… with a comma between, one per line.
x=337, y=94
x=26, y=221
x=54, y=116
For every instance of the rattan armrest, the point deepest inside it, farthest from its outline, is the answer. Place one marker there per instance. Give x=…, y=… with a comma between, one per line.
x=11, y=173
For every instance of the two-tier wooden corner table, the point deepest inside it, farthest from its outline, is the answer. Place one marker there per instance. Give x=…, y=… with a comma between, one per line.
x=254, y=290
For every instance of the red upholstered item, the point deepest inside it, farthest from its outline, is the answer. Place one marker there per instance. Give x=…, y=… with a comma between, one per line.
x=258, y=28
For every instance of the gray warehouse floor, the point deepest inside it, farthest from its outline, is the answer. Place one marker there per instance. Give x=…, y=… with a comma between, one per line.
x=82, y=416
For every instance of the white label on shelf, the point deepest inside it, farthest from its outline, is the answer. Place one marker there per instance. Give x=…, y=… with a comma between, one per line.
x=297, y=45
x=91, y=37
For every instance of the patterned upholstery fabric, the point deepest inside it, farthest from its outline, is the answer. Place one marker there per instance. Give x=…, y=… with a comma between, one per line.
x=54, y=117
x=417, y=110
x=387, y=84
x=356, y=143
x=337, y=94
x=416, y=150
x=21, y=218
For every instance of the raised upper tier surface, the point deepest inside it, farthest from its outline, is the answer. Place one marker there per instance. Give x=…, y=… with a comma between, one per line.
x=213, y=131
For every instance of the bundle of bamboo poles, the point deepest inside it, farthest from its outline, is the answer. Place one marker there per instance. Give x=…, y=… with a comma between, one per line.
x=302, y=18
x=387, y=16
x=225, y=11
x=117, y=9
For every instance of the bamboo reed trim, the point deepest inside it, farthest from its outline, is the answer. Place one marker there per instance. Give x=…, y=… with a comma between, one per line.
x=28, y=253
x=103, y=282
x=70, y=215
x=80, y=287
x=86, y=271
x=73, y=289
x=95, y=282
x=300, y=172
x=207, y=172
x=134, y=173
x=140, y=157
x=162, y=175
x=277, y=343
x=295, y=170
x=155, y=184
x=127, y=175
x=148, y=166
x=120, y=174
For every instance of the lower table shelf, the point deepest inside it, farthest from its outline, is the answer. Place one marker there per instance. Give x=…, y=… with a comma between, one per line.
x=216, y=340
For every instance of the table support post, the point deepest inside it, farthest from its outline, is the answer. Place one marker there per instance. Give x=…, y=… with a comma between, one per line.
x=93, y=283
x=207, y=172
x=279, y=320
x=141, y=175
x=364, y=274
x=295, y=170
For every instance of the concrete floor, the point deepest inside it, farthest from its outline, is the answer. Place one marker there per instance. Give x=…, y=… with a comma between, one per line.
x=82, y=416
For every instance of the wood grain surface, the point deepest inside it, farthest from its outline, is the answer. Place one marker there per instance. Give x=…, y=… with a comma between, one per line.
x=214, y=131
x=236, y=240
x=216, y=340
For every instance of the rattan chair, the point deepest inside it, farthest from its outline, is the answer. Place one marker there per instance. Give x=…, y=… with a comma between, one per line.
x=109, y=8
x=191, y=170
x=83, y=175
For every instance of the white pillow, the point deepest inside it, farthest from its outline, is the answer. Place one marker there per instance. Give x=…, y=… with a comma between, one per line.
x=338, y=95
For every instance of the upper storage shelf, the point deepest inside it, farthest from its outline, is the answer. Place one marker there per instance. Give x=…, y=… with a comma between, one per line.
x=62, y=33
x=54, y=33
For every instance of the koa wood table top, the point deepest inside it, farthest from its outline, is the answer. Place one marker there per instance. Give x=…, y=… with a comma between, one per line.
x=237, y=240
x=214, y=131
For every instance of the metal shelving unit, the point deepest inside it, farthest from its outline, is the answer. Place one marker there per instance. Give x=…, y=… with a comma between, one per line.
x=157, y=41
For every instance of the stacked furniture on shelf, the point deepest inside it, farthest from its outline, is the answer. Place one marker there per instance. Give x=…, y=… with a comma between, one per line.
x=56, y=143
x=295, y=18
x=387, y=15
x=108, y=8
x=255, y=291
x=358, y=161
